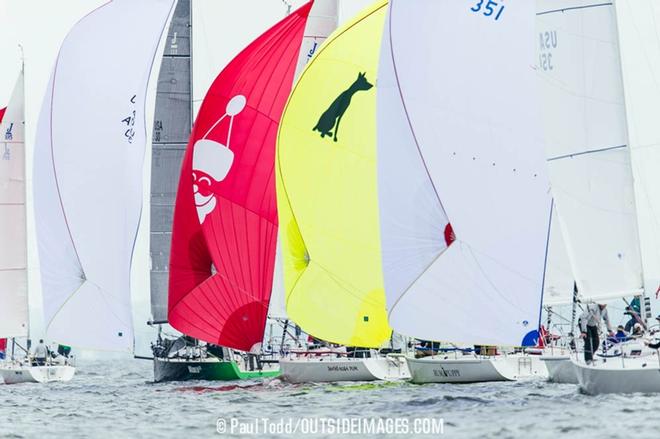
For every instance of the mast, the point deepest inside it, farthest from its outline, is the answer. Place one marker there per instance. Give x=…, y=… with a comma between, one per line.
x=27, y=271
x=171, y=130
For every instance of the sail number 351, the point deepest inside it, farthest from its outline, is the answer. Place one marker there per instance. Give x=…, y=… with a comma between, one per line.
x=489, y=8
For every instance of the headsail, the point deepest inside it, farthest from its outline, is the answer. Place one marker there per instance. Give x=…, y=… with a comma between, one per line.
x=587, y=144
x=327, y=196
x=225, y=220
x=559, y=279
x=322, y=21
x=464, y=197
x=172, y=124
x=88, y=172
x=14, y=315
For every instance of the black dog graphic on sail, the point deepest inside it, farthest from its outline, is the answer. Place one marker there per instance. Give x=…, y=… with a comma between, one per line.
x=331, y=118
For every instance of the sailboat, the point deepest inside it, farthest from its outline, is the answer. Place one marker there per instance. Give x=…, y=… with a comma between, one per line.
x=326, y=189
x=225, y=217
x=589, y=161
x=14, y=312
x=464, y=197
x=89, y=153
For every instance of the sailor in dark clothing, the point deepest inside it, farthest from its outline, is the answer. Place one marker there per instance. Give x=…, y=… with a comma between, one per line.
x=590, y=327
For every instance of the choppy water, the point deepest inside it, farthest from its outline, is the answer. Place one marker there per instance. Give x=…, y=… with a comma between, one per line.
x=116, y=399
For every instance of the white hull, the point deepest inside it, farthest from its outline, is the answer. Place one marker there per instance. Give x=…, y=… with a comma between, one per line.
x=326, y=369
x=472, y=369
x=12, y=373
x=560, y=369
x=634, y=375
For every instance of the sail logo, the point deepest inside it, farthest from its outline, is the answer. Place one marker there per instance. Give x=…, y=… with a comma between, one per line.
x=129, y=122
x=212, y=161
x=328, y=124
x=548, y=43
x=442, y=372
x=8, y=133
x=488, y=8
x=174, y=46
x=312, y=51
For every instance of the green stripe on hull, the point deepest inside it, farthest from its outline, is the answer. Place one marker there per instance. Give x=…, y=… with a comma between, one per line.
x=211, y=371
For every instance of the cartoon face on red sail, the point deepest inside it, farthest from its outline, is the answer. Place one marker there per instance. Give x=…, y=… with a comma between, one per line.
x=212, y=160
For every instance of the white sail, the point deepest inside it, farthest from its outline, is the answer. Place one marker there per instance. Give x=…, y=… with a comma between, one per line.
x=14, y=315
x=321, y=23
x=558, y=286
x=638, y=33
x=88, y=172
x=459, y=142
x=584, y=118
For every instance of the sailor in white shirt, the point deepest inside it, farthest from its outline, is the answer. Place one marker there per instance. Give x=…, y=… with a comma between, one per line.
x=590, y=328
x=40, y=353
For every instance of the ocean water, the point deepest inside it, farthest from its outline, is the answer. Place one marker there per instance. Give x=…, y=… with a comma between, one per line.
x=108, y=399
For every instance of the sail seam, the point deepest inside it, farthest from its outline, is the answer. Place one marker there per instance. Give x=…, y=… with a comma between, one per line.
x=591, y=151
x=574, y=8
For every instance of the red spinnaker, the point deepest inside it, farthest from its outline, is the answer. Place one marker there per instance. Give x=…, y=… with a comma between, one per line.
x=2, y=113
x=225, y=219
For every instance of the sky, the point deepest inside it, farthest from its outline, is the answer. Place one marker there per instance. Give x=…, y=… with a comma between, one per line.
x=221, y=28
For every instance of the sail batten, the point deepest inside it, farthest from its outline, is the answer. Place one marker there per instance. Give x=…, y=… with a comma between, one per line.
x=87, y=186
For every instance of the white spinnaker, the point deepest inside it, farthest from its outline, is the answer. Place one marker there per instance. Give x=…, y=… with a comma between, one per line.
x=584, y=119
x=88, y=172
x=322, y=21
x=463, y=139
x=558, y=287
x=14, y=315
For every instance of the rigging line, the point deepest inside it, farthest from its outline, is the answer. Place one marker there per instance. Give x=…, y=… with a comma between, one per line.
x=591, y=151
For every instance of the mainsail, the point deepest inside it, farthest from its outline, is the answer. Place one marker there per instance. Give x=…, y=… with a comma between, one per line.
x=225, y=219
x=587, y=144
x=14, y=316
x=326, y=189
x=88, y=172
x=172, y=124
x=464, y=199
x=322, y=21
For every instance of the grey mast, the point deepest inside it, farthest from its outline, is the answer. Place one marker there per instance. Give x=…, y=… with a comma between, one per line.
x=172, y=125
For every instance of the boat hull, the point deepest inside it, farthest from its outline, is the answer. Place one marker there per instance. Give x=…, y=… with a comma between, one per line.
x=16, y=374
x=211, y=370
x=560, y=369
x=325, y=370
x=640, y=375
x=475, y=369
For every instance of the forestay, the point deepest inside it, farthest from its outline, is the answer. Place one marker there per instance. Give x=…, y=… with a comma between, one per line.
x=88, y=172
x=587, y=144
x=464, y=196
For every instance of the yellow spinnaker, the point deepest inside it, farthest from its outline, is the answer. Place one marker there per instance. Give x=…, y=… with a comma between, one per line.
x=326, y=190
